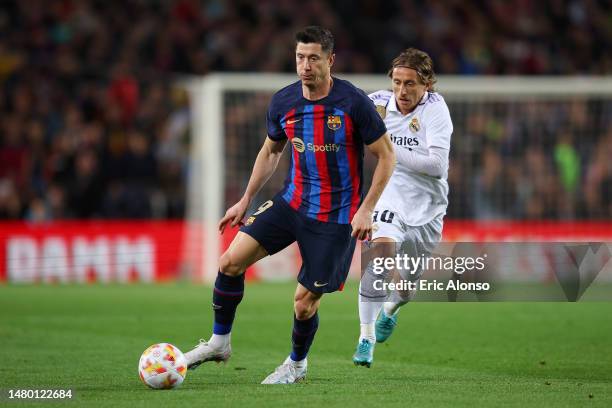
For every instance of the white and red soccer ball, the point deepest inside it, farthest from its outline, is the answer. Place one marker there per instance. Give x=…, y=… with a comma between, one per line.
x=162, y=366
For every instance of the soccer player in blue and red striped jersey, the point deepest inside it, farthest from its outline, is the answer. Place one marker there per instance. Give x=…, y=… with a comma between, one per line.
x=328, y=123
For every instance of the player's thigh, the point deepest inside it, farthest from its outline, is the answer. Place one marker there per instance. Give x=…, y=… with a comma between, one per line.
x=242, y=252
x=381, y=247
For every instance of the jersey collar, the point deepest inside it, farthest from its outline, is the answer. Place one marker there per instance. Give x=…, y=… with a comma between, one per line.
x=392, y=107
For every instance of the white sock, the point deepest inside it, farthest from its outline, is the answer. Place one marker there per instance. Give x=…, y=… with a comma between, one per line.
x=368, y=310
x=220, y=341
x=390, y=308
x=367, y=332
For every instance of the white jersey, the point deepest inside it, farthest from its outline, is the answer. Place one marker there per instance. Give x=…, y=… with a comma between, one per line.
x=416, y=198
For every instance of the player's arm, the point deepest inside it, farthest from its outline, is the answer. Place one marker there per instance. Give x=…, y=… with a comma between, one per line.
x=382, y=149
x=439, y=129
x=265, y=164
x=434, y=164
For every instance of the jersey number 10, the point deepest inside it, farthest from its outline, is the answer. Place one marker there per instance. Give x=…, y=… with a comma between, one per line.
x=385, y=216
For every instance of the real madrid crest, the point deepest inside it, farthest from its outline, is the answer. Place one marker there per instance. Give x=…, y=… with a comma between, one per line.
x=414, y=125
x=334, y=122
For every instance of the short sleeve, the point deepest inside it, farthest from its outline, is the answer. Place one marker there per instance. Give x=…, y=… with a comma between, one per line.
x=368, y=122
x=273, y=117
x=439, y=126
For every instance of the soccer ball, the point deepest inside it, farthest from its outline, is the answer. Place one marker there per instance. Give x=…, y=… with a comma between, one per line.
x=162, y=366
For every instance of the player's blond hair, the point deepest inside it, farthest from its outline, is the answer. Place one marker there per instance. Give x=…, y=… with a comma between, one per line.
x=418, y=60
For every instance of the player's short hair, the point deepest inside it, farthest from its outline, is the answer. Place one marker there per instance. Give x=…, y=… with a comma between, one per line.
x=418, y=60
x=318, y=35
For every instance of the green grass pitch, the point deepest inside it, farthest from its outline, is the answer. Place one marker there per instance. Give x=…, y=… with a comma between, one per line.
x=89, y=338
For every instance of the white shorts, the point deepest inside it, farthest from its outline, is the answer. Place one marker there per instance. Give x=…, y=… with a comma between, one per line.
x=390, y=225
x=415, y=241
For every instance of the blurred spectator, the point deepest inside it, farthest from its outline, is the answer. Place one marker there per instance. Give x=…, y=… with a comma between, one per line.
x=89, y=126
x=598, y=190
x=491, y=188
x=10, y=201
x=85, y=186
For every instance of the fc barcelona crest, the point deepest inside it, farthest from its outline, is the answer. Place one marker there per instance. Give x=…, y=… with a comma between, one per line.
x=334, y=122
x=414, y=125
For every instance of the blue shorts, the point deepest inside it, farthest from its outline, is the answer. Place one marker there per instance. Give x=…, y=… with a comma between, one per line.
x=326, y=248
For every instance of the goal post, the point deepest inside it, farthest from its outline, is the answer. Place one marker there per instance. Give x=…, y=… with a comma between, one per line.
x=228, y=127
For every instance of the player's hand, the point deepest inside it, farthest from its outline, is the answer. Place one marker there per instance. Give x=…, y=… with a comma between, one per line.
x=234, y=214
x=362, y=224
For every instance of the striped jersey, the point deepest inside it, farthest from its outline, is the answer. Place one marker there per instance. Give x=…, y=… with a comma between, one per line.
x=327, y=137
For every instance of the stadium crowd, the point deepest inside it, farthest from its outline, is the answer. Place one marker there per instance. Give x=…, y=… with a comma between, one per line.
x=90, y=126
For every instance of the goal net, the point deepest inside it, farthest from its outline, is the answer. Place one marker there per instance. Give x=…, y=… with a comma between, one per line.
x=523, y=150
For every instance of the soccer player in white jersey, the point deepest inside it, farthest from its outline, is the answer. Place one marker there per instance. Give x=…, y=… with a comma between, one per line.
x=409, y=214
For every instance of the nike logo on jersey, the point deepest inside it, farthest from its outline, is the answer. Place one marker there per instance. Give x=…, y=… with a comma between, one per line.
x=318, y=285
x=291, y=122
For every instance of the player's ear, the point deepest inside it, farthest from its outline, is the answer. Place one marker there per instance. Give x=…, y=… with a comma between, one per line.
x=331, y=59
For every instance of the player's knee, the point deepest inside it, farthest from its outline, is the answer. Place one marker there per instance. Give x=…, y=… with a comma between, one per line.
x=229, y=266
x=371, y=287
x=305, y=308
